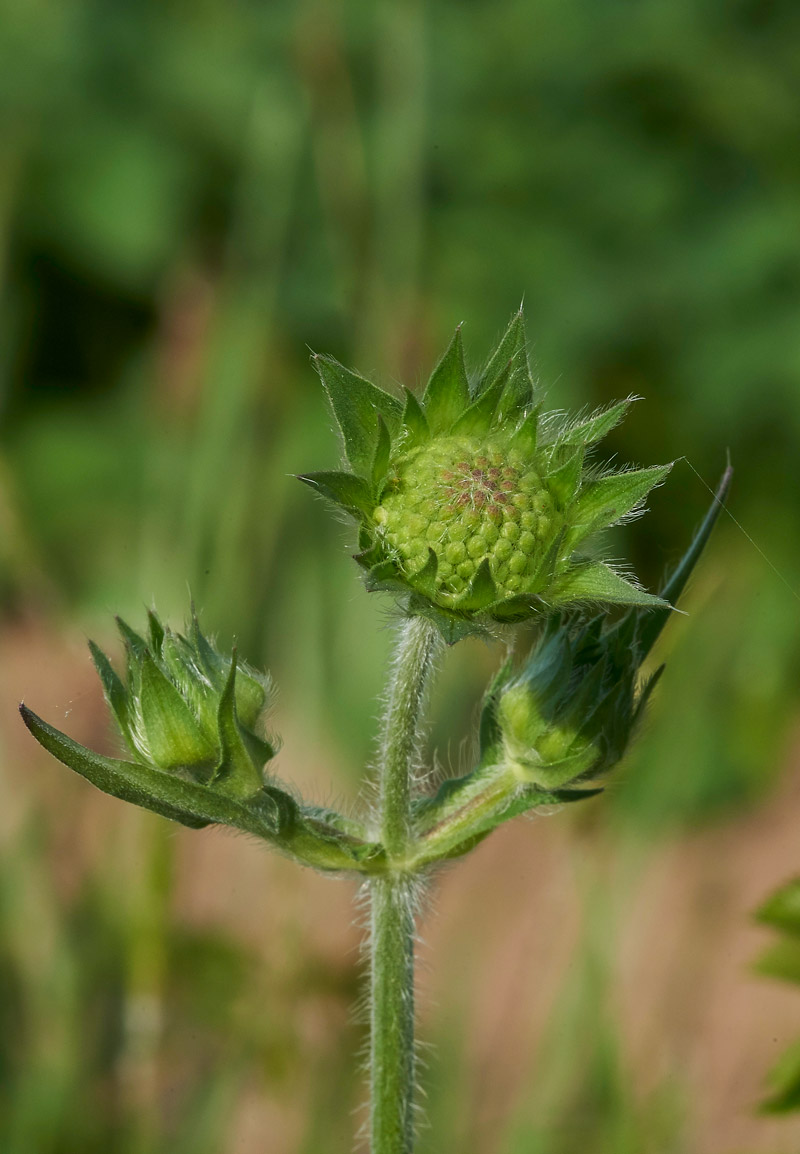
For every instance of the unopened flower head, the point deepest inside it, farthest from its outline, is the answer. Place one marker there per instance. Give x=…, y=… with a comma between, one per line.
x=472, y=504
x=188, y=709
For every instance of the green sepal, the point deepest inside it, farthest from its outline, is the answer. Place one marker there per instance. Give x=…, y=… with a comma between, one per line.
x=447, y=392
x=565, y=477
x=356, y=403
x=235, y=775
x=478, y=418
x=782, y=909
x=344, y=489
x=596, y=427
x=609, y=498
x=174, y=737
x=507, y=353
x=481, y=590
x=115, y=693
x=594, y=581
x=134, y=644
x=415, y=424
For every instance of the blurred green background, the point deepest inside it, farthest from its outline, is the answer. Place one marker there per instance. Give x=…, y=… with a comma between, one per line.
x=192, y=195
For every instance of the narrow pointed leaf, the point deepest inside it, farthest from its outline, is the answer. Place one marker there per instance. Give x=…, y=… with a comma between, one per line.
x=597, y=582
x=356, y=404
x=344, y=489
x=651, y=627
x=174, y=737
x=163, y=793
x=599, y=425
x=447, y=392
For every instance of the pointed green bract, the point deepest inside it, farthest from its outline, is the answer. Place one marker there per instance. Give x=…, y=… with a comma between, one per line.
x=447, y=392
x=236, y=775
x=595, y=581
x=174, y=739
x=416, y=430
x=476, y=421
x=345, y=489
x=356, y=404
x=612, y=497
x=599, y=425
x=510, y=350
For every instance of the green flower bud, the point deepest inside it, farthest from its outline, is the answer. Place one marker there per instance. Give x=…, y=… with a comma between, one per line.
x=472, y=504
x=190, y=710
x=569, y=713
x=192, y=719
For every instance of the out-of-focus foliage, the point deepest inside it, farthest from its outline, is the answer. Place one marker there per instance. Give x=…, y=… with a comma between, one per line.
x=192, y=194
x=781, y=912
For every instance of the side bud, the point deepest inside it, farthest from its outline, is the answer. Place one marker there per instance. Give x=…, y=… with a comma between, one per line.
x=570, y=712
x=192, y=719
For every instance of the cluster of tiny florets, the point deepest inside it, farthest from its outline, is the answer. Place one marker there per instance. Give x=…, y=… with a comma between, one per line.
x=468, y=499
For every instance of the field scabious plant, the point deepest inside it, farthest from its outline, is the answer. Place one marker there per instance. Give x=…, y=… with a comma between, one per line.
x=474, y=508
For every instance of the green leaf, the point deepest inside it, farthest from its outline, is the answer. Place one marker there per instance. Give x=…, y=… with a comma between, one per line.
x=594, y=581
x=174, y=737
x=782, y=909
x=164, y=793
x=415, y=423
x=344, y=489
x=606, y=500
x=651, y=627
x=236, y=775
x=447, y=392
x=356, y=404
x=599, y=425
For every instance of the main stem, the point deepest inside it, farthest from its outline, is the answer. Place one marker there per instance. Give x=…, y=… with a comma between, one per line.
x=392, y=923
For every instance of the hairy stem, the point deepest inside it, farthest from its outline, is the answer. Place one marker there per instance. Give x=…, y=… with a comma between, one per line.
x=392, y=923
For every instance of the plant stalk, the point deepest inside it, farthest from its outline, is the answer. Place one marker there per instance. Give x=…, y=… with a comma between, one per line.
x=392, y=897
